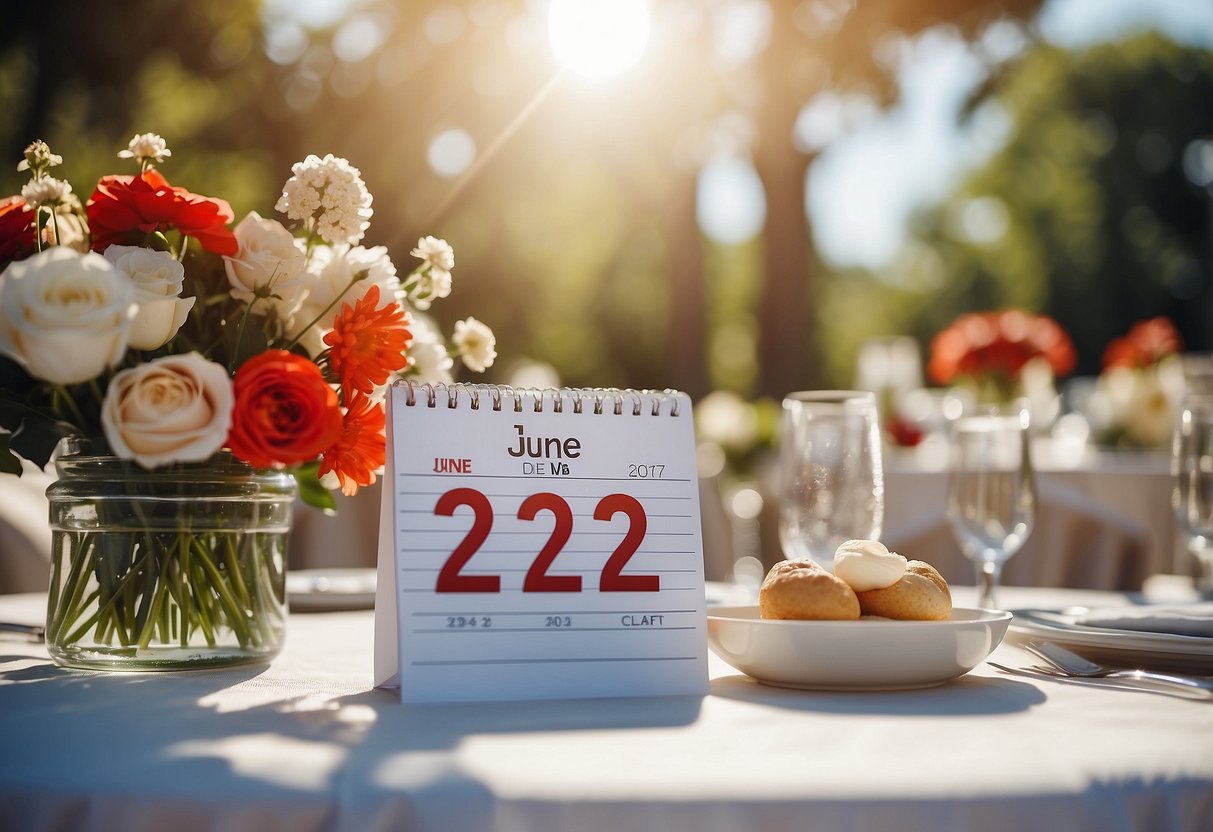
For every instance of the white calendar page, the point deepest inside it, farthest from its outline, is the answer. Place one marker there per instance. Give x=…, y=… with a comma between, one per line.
x=540, y=545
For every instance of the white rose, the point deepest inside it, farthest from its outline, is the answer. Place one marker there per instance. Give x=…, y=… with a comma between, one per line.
x=268, y=265
x=174, y=409
x=328, y=276
x=64, y=315
x=158, y=280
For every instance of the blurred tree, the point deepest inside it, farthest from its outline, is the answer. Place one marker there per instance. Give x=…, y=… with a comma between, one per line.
x=1097, y=210
x=86, y=77
x=575, y=220
x=819, y=46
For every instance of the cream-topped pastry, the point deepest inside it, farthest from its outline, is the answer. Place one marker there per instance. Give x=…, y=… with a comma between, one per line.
x=868, y=564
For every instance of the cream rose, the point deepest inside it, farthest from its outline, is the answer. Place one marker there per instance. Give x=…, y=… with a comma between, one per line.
x=268, y=265
x=174, y=409
x=64, y=315
x=158, y=280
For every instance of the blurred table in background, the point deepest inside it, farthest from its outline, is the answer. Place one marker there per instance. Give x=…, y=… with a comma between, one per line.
x=1104, y=518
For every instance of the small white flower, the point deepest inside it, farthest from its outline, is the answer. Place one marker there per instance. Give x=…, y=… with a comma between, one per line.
x=329, y=191
x=38, y=158
x=146, y=147
x=424, y=286
x=429, y=359
x=46, y=192
x=438, y=253
x=158, y=280
x=476, y=344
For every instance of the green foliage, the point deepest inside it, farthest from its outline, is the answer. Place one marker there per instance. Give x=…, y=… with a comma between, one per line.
x=310, y=489
x=1102, y=228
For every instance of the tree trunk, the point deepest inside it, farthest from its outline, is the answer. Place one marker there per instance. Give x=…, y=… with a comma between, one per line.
x=785, y=354
x=688, y=295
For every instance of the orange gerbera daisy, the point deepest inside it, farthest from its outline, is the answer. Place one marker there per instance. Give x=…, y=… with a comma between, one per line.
x=360, y=451
x=368, y=343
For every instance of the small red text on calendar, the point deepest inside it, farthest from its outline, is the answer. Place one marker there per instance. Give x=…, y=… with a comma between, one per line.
x=450, y=465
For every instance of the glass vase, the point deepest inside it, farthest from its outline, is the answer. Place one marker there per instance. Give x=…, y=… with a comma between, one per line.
x=168, y=569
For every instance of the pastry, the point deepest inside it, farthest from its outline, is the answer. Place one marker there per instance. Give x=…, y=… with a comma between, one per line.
x=800, y=589
x=920, y=595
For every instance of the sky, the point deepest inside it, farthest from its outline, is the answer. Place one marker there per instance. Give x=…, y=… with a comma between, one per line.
x=864, y=187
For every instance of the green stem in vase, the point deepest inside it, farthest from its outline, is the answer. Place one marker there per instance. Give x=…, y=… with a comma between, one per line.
x=197, y=578
x=232, y=559
x=235, y=617
x=182, y=577
x=153, y=617
x=73, y=589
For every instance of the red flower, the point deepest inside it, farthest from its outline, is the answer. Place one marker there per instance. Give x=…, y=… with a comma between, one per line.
x=1148, y=342
x=125, y=209
x=368, y=343
x=360, y=451
x=17, y=239
x=998, y=343
x=285, y=412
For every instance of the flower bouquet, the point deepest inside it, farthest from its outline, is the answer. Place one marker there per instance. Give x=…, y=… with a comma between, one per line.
x=200, y=373
x=1001, y=355
x=1137, y=394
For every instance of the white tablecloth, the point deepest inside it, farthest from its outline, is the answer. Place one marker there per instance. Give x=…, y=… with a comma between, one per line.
x=307, y=744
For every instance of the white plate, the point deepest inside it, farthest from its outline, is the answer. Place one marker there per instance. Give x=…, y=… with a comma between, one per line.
x=869, y=654
x=330, y=590
x=1124, y=648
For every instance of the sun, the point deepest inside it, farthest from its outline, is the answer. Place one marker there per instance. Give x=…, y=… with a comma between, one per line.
x=598, y=38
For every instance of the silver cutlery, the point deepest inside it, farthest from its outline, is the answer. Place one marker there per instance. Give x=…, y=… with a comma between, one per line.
x=35, y=632
x=1049, y=674
x=1073, y=664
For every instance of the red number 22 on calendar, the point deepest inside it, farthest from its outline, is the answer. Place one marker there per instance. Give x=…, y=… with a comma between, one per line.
x=450, y=578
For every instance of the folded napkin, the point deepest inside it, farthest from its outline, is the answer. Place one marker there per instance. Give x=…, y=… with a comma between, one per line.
x=1176, y=619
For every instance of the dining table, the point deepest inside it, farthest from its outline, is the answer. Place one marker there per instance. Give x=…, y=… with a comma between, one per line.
x=307, y=742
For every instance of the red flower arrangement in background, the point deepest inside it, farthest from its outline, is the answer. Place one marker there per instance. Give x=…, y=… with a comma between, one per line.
x=995, y=346
x=1146, y=343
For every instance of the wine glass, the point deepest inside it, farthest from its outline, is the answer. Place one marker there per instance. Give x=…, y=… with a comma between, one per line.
x=832, y=482
x=1192, y=482
x=991, y=493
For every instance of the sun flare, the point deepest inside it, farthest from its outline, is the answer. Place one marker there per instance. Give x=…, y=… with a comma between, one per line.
x=598, y=38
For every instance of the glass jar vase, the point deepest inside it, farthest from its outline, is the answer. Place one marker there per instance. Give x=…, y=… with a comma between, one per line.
x=168, y=569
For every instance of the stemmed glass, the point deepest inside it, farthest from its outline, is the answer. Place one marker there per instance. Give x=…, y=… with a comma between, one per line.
x=991, y=493
x=832, y=480
x=1192, y=482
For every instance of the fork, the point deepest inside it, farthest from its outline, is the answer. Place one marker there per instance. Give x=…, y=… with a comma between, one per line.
x=1043, y=672
x=1065, y=662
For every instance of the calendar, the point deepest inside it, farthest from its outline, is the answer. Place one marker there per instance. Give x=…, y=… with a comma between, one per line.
x=539, y=544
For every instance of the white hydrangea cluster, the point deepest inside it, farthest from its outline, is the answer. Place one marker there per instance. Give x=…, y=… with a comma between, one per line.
x=329, y=192
x=46, y=192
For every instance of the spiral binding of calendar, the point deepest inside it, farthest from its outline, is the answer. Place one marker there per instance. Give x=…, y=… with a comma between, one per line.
x=503, y=397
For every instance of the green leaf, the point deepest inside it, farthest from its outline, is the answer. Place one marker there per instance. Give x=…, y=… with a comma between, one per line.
x=38, y=437
x=311, y=491
x=9, y=462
